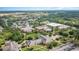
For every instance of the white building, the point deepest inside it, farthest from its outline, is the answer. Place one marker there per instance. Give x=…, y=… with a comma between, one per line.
x=60, y=26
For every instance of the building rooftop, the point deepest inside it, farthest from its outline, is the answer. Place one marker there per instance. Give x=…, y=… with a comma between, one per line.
x=44, y=27
x=60, y=26
x=10, y=46
x=27, y=29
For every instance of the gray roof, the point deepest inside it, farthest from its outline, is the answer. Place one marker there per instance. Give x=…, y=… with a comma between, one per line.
x=42, y=39
x=10, y=46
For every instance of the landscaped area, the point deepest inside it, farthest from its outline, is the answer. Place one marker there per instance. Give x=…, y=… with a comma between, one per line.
x=39, y=31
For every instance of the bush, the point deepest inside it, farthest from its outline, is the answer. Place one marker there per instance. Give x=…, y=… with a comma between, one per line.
x=2, y=40
x=49, y=46
x=63, y=34
x=71, y=32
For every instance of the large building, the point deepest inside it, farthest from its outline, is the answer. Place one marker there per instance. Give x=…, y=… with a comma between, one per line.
x=60, y=26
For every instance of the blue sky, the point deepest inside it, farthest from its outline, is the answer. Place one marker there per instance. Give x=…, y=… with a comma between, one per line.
x=36, y=8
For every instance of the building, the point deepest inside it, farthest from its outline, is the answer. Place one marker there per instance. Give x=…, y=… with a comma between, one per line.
x=43, y=27
x=60, y=26
x=14, y=25
x=26, y=29
x=46, y=39
x=41, y=40
x=10, y=46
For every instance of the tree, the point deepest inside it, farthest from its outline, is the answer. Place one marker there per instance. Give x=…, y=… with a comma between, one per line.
x=2, y=40
x=52, y=44
x=77, y=34
x=17, y=36
x=71, y=32
x=76, y=37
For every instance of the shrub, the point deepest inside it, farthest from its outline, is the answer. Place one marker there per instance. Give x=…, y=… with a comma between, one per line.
x=35, y=48
x=2, y=40
x=52, y=44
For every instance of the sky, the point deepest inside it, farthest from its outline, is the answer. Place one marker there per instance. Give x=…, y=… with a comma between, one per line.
x=39, y=3
x=36, y=8
x=24, y=5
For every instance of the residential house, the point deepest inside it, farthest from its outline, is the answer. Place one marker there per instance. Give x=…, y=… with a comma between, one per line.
x=11, y=46
x=43, y=27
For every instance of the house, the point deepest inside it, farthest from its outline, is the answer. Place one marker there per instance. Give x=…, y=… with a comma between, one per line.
x=26, y=29
x=14, y=25
x=46, y=39
x=10, y=46
x=43, y=27
x=41, y=40
x=33, y=42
